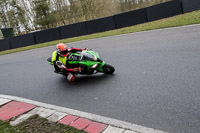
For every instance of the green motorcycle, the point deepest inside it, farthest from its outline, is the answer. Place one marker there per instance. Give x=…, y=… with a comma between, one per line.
x=89, y=61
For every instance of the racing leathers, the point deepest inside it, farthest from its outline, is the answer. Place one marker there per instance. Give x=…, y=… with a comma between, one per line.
x=68, y=72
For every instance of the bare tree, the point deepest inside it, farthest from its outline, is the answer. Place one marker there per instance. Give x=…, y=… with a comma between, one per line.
x=27, y=15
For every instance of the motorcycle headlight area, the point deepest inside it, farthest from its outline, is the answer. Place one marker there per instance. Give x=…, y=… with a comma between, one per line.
x=94, y=66
x=95, y=58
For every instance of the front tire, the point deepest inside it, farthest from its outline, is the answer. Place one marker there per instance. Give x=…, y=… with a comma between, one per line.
x=108, y=69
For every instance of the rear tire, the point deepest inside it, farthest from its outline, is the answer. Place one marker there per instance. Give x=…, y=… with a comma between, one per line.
x=108, y=69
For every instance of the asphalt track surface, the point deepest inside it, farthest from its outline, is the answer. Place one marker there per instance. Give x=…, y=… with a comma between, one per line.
x=156, y=83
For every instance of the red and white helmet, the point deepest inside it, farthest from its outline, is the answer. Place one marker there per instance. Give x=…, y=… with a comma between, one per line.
x=62, y=49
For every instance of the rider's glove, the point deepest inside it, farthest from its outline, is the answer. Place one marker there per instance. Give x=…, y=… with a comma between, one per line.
x=86, y=49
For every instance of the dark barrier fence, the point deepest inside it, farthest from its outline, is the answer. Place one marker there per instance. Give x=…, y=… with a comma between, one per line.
x=190, y=5
x=4, y=44
x=100, y=25
x=130, y=18
x=47, y=35
x=164, y=10
x=73, y=30
x=135, y=17
x=22, y=41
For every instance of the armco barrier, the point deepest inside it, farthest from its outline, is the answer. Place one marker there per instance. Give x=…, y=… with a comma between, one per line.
x=100, y=25
x=22, y=41
x=164, y=10
x=190, y=5
x=130, y=18
x=47, y=35
x=73, y=30
x=4, y=44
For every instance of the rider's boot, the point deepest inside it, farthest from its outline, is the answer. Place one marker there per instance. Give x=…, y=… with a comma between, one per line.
x=71, y=78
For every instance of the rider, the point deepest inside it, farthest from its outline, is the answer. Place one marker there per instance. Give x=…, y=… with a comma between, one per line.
x=61, y=54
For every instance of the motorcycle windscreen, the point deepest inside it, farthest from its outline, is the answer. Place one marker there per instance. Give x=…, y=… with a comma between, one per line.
x=89, y=57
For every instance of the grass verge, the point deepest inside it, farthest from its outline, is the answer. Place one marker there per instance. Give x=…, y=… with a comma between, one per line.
x=180, y=20
x=35, y=124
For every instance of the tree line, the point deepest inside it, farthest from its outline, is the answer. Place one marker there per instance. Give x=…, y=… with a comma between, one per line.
x=29, y=15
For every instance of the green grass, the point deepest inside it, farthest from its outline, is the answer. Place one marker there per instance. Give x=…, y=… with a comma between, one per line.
x=35, y=124
x=5, y=127
x=180, y=20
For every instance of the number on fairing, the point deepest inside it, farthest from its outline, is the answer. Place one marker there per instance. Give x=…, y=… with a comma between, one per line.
x=74, y=57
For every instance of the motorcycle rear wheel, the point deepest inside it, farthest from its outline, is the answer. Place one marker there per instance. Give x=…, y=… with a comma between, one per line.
x=108, y=69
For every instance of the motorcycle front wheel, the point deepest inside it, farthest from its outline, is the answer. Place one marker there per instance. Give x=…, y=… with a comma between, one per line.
x=108, y=69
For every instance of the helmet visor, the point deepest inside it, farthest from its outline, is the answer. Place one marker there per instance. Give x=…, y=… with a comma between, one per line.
x=64, y=52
